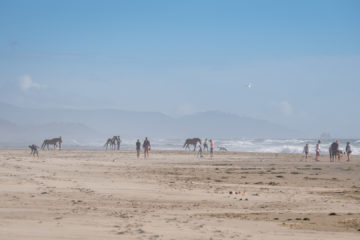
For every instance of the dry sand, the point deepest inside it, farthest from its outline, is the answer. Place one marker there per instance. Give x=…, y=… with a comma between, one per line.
x=84, y=194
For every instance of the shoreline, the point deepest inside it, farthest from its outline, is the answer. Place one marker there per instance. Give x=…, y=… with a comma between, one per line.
x=323, y=155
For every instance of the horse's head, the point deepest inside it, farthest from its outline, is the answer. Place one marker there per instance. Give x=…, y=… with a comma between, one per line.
x=60, y=139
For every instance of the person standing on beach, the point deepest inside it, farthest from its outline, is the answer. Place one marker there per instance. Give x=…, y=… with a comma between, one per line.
x=206, y=145
x=200, y=151
x=138, y=146
x=212, y=146
x=334, y=151
x=348, y=151
x=317, y=151
x=306, y=150
x=146, y=146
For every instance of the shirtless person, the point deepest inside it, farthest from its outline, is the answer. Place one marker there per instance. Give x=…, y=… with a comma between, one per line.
x=212, y=146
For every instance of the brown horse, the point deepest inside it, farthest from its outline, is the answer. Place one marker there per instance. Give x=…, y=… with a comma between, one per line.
x=191, y=141
x=53, y=141
x=110, y=143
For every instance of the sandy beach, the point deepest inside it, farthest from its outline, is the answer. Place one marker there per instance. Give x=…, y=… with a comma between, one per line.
x=85, y=194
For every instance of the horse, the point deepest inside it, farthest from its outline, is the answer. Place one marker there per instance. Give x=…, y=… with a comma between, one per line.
x=110, y=142
x=53, y=141
x=116, y=140
x=191, y=141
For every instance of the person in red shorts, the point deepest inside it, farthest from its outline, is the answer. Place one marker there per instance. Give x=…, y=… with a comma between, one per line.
x=212, y=146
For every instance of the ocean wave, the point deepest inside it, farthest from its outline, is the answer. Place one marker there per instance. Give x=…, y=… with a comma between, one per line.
x=236, y=145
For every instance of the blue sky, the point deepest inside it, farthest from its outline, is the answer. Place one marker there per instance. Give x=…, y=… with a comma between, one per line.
x=182, y=57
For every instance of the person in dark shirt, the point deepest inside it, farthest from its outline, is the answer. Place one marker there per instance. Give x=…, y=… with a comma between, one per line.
x=146, y=146
x=34, y=150
x=138, y=146
x=206, y=145
x=334, y=150
x=348, y=151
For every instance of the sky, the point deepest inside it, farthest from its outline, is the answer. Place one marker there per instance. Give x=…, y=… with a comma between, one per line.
x=302, y=58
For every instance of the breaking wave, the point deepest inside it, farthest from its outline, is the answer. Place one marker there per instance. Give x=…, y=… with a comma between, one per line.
x=236, y=145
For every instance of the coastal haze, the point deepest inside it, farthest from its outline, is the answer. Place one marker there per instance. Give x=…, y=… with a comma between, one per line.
x=88, y=126
x=89, y=129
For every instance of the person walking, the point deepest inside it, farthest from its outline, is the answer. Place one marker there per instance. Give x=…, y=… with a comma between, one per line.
x=146, y=146
x=334, y=151
x=206, y=145
x=348, y=151
x=317, y=151
x=200, y=151
x=212, y=146
x=306, y=150
x=138, y=147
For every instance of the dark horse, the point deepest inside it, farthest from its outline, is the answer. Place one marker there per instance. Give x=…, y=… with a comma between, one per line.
x=192, y=141
x=53, y=141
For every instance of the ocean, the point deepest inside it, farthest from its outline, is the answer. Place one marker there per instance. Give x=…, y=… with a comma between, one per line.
x=236, y=145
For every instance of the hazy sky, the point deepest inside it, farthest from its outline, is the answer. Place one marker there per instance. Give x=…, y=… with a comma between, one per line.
x=180, y=57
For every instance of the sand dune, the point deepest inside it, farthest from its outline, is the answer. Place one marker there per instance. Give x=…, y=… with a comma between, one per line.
x=83, y=194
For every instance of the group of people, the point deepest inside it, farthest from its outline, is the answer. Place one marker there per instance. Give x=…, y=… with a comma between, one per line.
x=205, y=144
x=334, y=151
x=146, y=146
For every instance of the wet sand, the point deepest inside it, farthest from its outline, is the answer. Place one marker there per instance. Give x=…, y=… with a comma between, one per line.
x=84, y=194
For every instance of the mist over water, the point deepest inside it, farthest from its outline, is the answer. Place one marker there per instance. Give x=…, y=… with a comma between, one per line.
x=236, y=145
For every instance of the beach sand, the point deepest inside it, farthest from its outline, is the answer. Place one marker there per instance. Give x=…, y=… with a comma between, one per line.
x=93, y=194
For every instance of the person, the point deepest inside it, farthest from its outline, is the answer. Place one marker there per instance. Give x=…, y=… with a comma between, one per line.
x=317, y=151
x=340, y=154
x=146, y=146
x=34, y=150
x=306, y=150
x=206, y=145
x=348, y=151
x=200, y=151
x=138, y=146
x=212, y=146
x=334, y=151
x=118, y=142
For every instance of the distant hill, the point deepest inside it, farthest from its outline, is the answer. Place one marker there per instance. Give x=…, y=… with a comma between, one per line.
x=19, y=134
x=24, y=124
x=220, y=124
